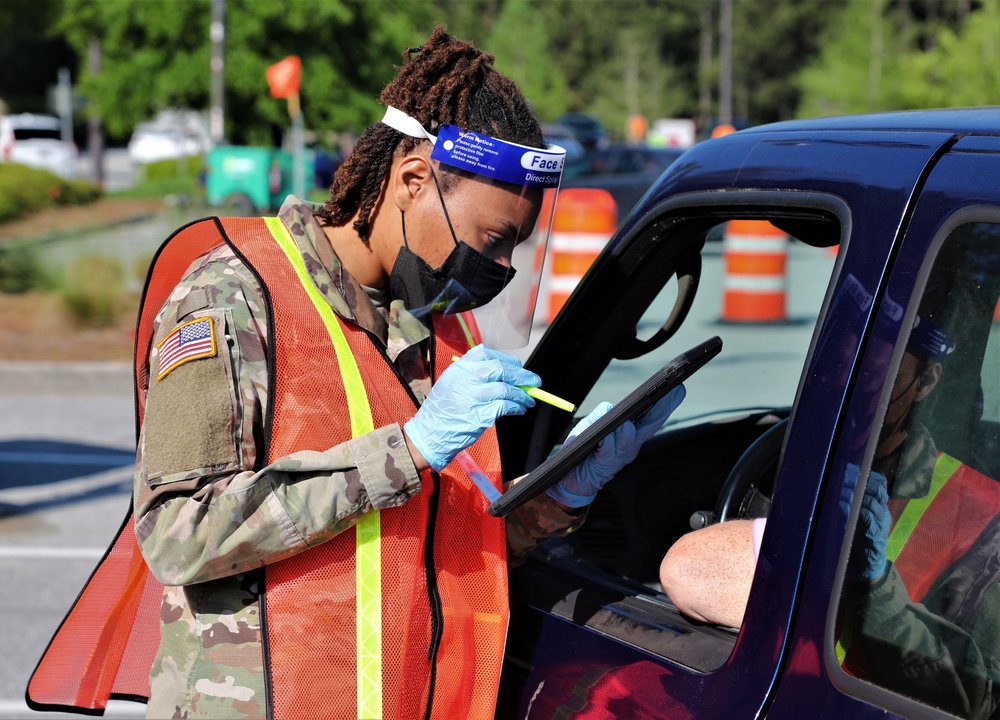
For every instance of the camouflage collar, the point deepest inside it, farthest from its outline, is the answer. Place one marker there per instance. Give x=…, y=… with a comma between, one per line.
x=913, y=465
x=396, y=327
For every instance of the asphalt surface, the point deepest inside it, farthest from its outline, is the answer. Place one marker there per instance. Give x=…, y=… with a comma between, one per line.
x=66, y=453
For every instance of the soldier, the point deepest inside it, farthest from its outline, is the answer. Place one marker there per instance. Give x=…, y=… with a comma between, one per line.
x=294, y=486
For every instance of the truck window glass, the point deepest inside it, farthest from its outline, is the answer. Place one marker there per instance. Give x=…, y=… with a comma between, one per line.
x=730, y=403
x=920, y=609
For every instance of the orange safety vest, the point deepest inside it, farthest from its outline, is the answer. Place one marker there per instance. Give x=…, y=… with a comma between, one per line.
x=931, y=533
x=426, y=639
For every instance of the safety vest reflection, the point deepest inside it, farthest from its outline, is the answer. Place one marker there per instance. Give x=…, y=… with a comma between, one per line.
x=424, y=622
x=932, y=533
x=931, y=536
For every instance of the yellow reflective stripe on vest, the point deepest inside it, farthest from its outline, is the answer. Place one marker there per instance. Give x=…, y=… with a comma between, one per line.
x=844, y=641
x=944, y=468
x=468, y=333
x=368, y=532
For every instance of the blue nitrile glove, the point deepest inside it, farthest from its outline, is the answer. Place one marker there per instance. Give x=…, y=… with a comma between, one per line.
x=614, y=452
x=469, y=396
x=851, y=476
x=868, y=558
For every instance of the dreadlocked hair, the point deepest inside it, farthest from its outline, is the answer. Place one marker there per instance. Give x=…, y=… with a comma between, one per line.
x=446, y=81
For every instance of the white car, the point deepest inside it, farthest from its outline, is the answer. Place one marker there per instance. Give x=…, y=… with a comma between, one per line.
x=36, y=141
x=173, y=134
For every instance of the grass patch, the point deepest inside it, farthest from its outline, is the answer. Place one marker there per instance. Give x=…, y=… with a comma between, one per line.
x=167, y=177
x=25, y=190
x=21, y=271
x=94, y=291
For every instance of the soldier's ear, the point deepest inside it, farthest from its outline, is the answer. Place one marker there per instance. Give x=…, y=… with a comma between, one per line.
x=409, y=179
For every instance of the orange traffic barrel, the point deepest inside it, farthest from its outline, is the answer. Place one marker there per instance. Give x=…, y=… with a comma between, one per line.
x=755, y=255
x=584, y=221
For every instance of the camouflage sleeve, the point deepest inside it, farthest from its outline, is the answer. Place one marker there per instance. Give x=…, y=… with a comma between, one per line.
x=536, y=521
x=916, y=652
x=201, y=510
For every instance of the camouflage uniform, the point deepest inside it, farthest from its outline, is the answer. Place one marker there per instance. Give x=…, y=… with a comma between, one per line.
x=943, y=650
x=206, y=519
x=910, y=470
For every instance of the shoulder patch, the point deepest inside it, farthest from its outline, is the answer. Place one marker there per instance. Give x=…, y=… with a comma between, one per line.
x=191, y=341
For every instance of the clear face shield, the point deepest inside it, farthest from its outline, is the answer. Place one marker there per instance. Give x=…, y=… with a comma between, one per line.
x=527, y=180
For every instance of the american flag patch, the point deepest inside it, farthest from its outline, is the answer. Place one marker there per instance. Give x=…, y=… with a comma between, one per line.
x=190, y=341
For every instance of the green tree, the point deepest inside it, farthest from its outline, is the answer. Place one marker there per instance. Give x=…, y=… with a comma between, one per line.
x=156, y=55
x=960, y=68
x=771, y=41
x=29, y=58
x=896, y=55
x=860, y=50
x=520, y=41
x=621, y=57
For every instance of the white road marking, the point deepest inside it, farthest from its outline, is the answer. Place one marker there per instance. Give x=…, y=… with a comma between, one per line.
x=35, y=552
x=49, y=458
x=18, y=710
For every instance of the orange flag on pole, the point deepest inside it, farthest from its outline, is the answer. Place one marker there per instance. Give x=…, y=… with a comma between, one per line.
x=283, y=77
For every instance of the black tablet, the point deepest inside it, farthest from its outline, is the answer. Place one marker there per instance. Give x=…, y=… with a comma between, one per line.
x=631, y=408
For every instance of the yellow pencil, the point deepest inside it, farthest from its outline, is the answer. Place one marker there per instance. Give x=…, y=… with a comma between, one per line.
x=542, y=395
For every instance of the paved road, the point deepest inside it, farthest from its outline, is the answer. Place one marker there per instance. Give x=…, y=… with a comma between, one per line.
x=66, y=449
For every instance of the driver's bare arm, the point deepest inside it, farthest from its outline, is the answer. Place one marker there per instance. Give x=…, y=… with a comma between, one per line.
x=707, y=573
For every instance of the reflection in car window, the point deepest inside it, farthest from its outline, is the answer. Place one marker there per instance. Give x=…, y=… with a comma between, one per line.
x=920, y=608
x=761, y=360
x=730, y=403
x=991, y=381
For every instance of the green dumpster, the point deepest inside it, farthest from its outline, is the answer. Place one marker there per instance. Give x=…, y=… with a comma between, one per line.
x=248, y=180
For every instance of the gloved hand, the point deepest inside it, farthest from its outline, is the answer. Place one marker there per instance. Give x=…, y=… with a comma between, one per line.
x=469, y=396
x=872, y=536
x=614, y=452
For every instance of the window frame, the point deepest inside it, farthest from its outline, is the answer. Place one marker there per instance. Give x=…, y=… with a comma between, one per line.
x=859, y=688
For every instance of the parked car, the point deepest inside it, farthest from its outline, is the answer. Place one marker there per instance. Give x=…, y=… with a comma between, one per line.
x=903, y=199
x=36, y=141
x=625, y=171
x=588, y=129
x=172, y=134
x=564, y=137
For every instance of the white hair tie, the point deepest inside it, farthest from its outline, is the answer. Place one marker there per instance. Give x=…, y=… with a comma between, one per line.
x=399, y=120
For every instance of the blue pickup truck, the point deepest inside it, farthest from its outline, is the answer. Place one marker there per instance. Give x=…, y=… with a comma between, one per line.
x=906, y=209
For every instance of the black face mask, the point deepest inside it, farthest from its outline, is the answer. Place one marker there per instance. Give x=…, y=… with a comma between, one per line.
x=890, y=429
x=467, y=279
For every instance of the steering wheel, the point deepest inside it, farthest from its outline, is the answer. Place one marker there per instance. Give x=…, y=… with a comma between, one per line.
x=741, y=495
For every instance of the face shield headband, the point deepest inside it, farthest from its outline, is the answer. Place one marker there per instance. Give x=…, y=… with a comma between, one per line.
x=484, y=155
x=505, y=322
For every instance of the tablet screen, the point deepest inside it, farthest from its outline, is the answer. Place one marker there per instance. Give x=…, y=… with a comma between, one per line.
x=632, y=407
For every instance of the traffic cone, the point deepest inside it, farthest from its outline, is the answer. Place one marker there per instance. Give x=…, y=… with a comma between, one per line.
x=755, y=257
x=584, y=221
